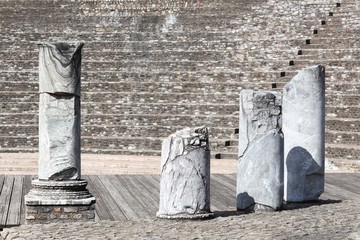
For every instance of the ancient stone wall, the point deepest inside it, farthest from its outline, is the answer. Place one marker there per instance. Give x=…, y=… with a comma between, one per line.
x=153, y=67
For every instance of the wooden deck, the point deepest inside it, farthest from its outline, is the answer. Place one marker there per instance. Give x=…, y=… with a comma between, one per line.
x=122, y=197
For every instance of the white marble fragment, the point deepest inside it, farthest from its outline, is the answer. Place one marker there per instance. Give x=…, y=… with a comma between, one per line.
x=185, y=175
x=304, y=131
x=59, y=111
x=60, y=68
x=260, y=164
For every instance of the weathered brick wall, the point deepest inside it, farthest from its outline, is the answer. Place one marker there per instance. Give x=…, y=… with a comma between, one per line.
x=153, y=67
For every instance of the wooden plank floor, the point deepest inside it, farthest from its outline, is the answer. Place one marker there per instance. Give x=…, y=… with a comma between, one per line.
x=122, y=197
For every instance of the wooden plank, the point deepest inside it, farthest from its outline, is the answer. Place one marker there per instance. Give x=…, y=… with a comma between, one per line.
x=231, y=178
x=2, y=179
x=139, y=194
x=121, y=205
x=216, y=199
x=149, y=192
x=330, y=191
x=27, y=179
x=99, y=203
x=228, y=182
x=352, y=177
x=103, y=200
x=342, y=180
x=225, y=183
x=5, y=198
x=144, y=196
x=154, y=180
x=13, y=218
x=224, y=188
x=221, y=200
x=135, y=197
x=345, y=194
x=330, y=196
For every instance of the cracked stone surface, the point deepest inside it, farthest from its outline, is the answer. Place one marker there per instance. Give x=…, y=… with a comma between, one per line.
x=304, y=131
x=260, y=164
x=60, y=68
x=59, y=111
x=185, y=175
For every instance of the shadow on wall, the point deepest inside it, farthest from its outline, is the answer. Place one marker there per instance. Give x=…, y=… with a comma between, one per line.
x=302, y=173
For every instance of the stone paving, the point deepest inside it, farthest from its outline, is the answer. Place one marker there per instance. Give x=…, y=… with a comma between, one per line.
x=324, y=220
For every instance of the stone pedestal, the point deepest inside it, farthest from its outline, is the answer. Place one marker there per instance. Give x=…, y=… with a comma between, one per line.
x=304, y=131
x=185, y=175
x=260, y=163
x=59, y=194
x=59, y=201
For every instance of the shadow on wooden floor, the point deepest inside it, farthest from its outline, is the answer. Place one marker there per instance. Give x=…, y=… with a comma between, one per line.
x=123, y=197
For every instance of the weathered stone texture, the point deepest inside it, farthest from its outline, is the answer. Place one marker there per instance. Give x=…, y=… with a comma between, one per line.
x=50, y=214
x=60, y=68
x=185, y=175
x=260, y=164
x=59, y=201
x=59, y=111
x=179, y=54
x=304, y=131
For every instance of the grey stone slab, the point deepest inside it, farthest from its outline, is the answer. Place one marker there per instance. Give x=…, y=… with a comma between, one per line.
x=185, y=175
x=260, y=164
x=304, y=131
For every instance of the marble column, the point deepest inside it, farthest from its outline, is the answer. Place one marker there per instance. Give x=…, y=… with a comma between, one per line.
x=260, y=162
x=304, y=131
x=185, y=175
x=59, y=182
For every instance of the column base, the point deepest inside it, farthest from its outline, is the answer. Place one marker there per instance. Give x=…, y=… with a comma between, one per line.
x=257, y=207
x=59, y=201
x=186, y=216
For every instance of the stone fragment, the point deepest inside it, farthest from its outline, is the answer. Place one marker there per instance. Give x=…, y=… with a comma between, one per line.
x=60, y=68
x=59, y=111
x=304, y=131
x=185, y=175
x=260, y=163
x=59, y=191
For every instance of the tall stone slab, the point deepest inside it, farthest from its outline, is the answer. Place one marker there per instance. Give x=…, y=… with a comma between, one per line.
x=185, y=175
x=260, y=163
x=59, y=194
x=304, y=131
